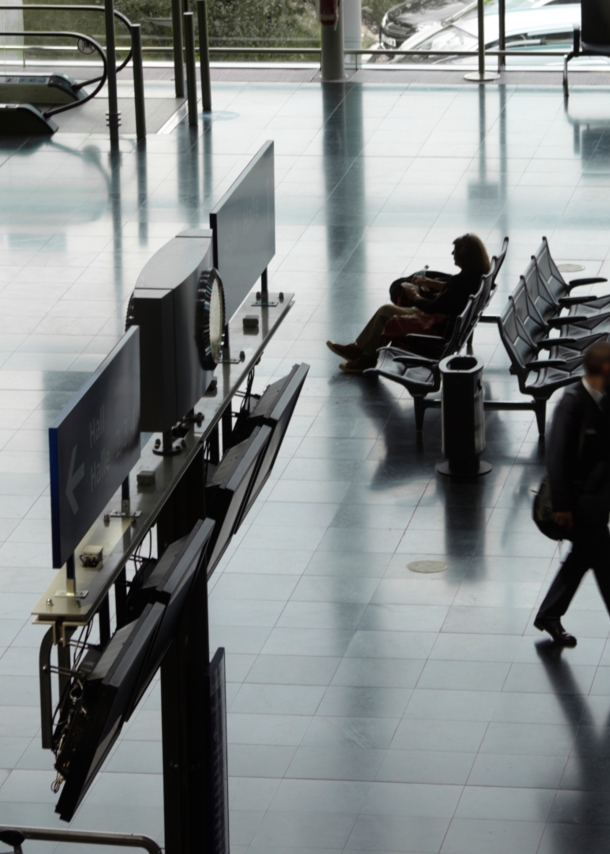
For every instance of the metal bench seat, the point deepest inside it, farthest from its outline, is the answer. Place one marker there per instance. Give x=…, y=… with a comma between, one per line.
x=572, y=338
x=585, y=315
x=557, y=287
x=539, y=378
x=416, y=365
x=420, y=375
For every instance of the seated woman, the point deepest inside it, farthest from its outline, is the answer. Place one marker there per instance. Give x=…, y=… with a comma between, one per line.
x=444, y=296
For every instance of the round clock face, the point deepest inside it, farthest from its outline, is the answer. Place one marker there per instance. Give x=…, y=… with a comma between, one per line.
x=209, y=319
x=217, y=319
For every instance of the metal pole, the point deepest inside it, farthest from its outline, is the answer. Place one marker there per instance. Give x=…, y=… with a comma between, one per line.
x=333, y=59
x=191, y=69
x=264, y=286
x=113, y=116
x=501, y=34
x=138, y=81
x=204, y=56
x=142, y=197
x=481, y=76
x=178, y=49
x=481, y=30
x=70, y=566
x=46, y=693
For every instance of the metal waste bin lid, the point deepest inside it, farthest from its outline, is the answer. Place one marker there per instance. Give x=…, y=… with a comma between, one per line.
x=461, y=365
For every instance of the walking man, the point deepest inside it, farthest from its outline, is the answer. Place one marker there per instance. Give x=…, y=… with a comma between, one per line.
x=578, y=464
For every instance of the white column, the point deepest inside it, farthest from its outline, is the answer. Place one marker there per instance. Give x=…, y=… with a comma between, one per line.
x=352, y=29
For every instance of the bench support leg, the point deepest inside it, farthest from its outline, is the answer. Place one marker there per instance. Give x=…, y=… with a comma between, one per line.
x=420, y=409
x=540, y=410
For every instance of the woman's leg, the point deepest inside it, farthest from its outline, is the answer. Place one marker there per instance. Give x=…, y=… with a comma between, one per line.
x=369, y=340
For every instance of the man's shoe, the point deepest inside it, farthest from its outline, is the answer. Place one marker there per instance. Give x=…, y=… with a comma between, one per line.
x=345, y=351
x=358, y=366
x=556, y=631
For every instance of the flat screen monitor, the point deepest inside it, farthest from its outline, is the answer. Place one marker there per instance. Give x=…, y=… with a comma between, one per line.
x=91, y=722
x=243, y=224
x=116, y=678
x=172, y=379
x=170, y=583
x=229, y=487
x=274, y=410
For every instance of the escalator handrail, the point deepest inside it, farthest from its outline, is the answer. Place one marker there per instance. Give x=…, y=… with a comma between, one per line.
x=57, y=35
x=123, y=18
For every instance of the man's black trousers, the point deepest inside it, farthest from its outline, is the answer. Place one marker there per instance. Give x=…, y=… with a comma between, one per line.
x=590, y=550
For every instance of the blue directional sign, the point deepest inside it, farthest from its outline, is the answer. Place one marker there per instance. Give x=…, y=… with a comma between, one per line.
x=94, y=443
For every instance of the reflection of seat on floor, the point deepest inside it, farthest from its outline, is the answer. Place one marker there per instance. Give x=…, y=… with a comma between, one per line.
x=593, y=37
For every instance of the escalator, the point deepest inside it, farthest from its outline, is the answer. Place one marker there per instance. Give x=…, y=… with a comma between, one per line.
x=28, y=101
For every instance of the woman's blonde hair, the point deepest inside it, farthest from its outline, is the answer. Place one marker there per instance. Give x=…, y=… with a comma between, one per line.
x=471, y=254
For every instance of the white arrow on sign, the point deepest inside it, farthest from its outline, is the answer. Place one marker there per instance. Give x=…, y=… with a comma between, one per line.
x=74, y=478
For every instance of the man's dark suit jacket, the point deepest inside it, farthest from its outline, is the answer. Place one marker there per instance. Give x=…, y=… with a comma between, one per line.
x=578, y=456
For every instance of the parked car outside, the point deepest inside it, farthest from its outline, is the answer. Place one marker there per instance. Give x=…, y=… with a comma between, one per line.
x=447, y=24
x=403, y=21
x=546, y=26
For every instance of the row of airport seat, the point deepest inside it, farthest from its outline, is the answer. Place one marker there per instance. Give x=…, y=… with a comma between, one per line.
x=541, y=317
x=544, y=330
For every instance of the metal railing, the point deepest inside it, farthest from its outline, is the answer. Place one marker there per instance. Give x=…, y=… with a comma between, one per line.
x=312, y=51
x=109, y=72
x=57, y=7
x=101, y=80
x=85, y=837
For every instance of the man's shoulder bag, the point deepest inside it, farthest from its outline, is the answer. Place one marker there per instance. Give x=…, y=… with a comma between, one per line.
x=542, y=513
x=542, y=508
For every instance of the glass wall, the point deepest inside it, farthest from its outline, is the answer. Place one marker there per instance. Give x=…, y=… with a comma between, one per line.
x=264, y=23
x=532, y=26
x=10, y=19
x=232, y=24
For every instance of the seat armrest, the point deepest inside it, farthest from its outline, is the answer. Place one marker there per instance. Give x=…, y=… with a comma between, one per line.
x=567, y=301
x=558, y=322
x=427, y=346
x=579, y=344
x=540, y=364
x=425, y=339
x=416, y=361
x=489, y=318
x=547, y=343
x=596, y=280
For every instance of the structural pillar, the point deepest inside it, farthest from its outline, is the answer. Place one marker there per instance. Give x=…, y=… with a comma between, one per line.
x=333, y=64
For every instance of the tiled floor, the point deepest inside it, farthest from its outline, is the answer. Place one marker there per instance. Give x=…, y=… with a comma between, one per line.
x=371, y=708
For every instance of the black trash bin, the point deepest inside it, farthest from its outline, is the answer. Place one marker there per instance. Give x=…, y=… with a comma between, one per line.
x=463, y=417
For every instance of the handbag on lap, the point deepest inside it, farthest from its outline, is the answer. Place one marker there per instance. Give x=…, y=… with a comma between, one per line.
x=397, y=291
